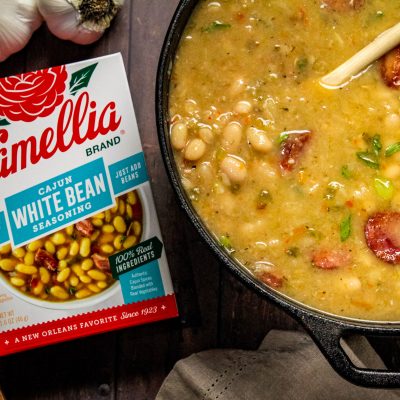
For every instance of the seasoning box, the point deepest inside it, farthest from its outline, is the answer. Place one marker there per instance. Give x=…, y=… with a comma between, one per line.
x=80, y=245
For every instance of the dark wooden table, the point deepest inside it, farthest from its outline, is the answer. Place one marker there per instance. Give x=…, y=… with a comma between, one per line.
x=216, y=309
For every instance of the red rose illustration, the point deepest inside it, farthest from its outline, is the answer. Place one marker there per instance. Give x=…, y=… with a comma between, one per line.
x=32, y=95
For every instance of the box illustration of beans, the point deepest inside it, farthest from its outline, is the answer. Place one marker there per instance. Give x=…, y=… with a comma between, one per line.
x=81, y=250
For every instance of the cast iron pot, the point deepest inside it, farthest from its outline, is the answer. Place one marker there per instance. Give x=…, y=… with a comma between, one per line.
x=325, y=329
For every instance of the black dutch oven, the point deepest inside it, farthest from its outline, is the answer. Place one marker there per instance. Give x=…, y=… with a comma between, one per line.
x=325, y=329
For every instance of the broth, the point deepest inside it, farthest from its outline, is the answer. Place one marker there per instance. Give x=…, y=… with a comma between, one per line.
x=298, y=182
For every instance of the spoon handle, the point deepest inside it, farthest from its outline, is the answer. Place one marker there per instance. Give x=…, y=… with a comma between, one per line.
x=382, y=44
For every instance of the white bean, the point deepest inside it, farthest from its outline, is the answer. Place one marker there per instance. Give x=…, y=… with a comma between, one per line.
x=206, y=134
x=214, y=5
x=179, y=134
x=392, y=120
x=234, y=168
x=243, y=107
x=351, y=283
x=259, y=140
x=195, y=149
x=232, y=136
x=205, y=173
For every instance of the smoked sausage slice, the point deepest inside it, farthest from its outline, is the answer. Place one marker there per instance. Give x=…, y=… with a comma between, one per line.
x=330, y=259
x=292, y=148
x=382, y=232
x=343, y=5
x=101, y=262
x=85, y=227
x=272, y=280
x=47, y=260
x=390, y=68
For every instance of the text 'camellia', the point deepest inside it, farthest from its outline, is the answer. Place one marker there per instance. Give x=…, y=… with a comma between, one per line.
x=77, y=122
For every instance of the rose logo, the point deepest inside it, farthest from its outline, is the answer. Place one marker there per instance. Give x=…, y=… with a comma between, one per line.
x=32, y=95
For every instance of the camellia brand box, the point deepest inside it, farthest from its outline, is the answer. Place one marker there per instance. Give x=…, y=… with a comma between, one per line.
x=80, y=245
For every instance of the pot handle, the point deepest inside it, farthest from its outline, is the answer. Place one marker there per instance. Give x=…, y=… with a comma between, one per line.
x=327, y=333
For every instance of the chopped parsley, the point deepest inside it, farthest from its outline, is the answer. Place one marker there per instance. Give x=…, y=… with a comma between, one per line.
x=72, y=290
x=392, y=149
x=215, y=26
x=225, y=242
x=345, y=228
x=346, y=172
x=384, y=188
x=370, y=157
x=302, y=64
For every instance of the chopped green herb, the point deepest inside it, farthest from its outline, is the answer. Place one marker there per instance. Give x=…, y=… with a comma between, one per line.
x=72, y=290
x=292, y=251
x=225, y=242
x=282, y=137
x=370, y=159
x=371, y=156
x=384, y=188
x=302, y=64
x=392, y=149
x=346, y=172
x=122, y=239
x=216, y=25
x=345, y=228
x=264, y=197
x=47, y=290
x=376, y=144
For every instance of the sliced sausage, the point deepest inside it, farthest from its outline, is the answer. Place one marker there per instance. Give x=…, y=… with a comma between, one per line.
x=390, y=68
x=382, y=232
x=271, y=279
x=292, y=148
x=45, y=259
x=85, y=227
x=331, y=259
x=101, y=262
x=343, y=5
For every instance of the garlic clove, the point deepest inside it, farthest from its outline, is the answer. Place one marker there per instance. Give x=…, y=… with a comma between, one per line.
x=81, y=21
x=65, y=25
x=28, y=13
x=85, y=36
x=18, y=20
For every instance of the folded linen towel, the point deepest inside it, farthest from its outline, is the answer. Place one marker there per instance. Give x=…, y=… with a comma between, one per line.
x=288, y=365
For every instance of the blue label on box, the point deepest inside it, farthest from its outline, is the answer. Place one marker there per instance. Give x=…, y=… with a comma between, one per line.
x=58, y=202
x=128, y=173
x=4, y=237
x=142, y=283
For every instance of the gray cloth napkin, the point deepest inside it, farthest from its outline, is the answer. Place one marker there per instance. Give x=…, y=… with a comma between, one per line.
x=288, y=365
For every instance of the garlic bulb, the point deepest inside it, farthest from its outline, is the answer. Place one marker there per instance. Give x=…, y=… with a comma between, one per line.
x=18, y=20
x=81, y=21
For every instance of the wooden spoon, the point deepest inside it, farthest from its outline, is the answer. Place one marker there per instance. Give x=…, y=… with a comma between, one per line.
x=353, y=66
